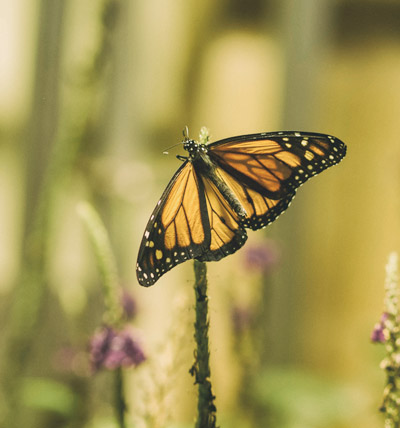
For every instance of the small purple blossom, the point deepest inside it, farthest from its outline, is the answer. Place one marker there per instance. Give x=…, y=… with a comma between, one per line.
x=129, y=305
x=378, y=334
x=242, y=318
x=111, y=349
x=262, y=257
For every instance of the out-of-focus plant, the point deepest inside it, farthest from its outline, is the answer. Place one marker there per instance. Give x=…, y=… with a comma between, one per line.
x=113, y=346
x=262, y=258
x=248, y=326
x=55, y=133
x=291, y=397
x=270, y=394
x=165, y=369
x=387, y=331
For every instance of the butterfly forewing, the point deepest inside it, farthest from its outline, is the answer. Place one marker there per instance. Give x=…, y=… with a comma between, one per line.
x=275, y=164
x=176, y=230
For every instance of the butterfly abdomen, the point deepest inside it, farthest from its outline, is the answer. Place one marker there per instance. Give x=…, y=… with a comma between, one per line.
x=205, y=167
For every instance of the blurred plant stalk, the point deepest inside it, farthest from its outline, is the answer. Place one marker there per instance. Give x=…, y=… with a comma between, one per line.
x=113, y=314
x=388, y=332
x=43, y=166
x=105, y=261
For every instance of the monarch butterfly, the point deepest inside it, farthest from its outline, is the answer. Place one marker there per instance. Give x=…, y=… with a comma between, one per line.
x=224, y=188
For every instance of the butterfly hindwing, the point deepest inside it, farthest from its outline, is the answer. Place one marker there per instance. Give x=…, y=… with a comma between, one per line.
x=227, y=234
x=260, y=210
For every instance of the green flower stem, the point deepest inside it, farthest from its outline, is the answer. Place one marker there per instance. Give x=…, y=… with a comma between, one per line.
x=120, y=403
x=206, y=417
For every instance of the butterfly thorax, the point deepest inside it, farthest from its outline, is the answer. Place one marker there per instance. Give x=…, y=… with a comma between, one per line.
x=205, y=166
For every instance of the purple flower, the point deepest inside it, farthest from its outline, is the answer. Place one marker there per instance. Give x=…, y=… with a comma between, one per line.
x=242, y=318
x=262, y=257
x=378, y=335
x=111, y=349
x=129, y=305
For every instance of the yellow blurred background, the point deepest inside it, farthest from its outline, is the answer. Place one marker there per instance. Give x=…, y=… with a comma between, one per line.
x=91, y=93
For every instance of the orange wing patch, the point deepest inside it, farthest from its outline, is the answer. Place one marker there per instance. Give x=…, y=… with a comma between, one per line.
x=181, y=228
x=267, y=171
x=250, y=147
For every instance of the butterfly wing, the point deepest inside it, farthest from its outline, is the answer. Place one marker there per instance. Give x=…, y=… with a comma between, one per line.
x=191, y=220
x=264, y=170
x=178, y=229
x=227, y=234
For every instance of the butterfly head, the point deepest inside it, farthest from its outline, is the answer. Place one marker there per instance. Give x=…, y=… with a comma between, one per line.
x=194, y=148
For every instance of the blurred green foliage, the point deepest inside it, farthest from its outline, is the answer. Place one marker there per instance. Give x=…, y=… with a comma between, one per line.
x=48, y=395
x=300, y=399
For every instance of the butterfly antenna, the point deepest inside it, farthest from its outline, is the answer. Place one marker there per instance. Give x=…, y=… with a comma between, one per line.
x=165, y=152
x=185, y=136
